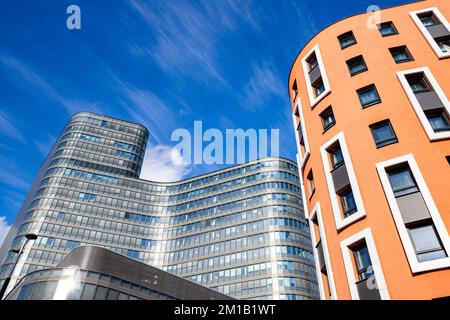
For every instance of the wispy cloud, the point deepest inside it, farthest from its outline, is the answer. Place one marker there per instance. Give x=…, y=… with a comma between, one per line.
x=187, y=34
x=12, y=175
x=263, y=85
x=45, y=144
x=9, y=129
x=162, y=163
x=4, y=229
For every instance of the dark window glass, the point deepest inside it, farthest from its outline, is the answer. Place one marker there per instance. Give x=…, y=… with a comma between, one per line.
x=336, y=157
x=444, y=43
x=319, y=88
x=418, y=84
x=428, y=19
x=295, y=89
x=387, y=29
x=368, y=96
x=312, y=62
x=362, y=261
x=402, y=181
x=438, y=120
x=100, y=293
x=448, y=159
x=383, y=134
x=112, y=295
x=347, y=39
x=327, y=118
x=427, y=244
x=400, y=54
x=356, y=65
x=347, y=202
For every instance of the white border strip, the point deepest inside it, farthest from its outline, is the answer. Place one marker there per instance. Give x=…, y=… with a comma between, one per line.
x=416, y=105
x=365, y=234
x=415, y=265
x=361, y=212
x=312, y=99
x=426, y=34
x=317, y=213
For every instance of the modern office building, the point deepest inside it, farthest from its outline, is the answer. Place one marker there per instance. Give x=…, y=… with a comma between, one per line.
x=94, y=273
x=371, y=115
x=240, y=231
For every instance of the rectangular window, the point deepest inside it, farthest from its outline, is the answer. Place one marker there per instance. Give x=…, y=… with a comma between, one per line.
x=444, y=44
x=347, y=202
x=327, y=117
x=311, y=185
x=387, y=29
x=312, y=61
x=426, y=242
x=356, y=65
x=400, y=54
x=319, y=88
x=383, y=134
x=294, y=90
x=368, y=96
x=439, y=120
x=402, y=181
x=347, y=39
x=428, y=19
x=362, y=261
x=336, y=157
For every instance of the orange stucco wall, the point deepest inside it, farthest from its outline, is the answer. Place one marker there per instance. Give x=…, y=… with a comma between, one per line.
x=354, y=122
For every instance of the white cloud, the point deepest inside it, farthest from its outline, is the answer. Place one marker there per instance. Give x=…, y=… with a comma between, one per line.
x=163, y=164
x=4, y=229
x=9, y=129
x=45, y=145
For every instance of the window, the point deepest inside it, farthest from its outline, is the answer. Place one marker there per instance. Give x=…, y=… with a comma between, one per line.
x=439, y=120
x=368, y=96
x=387, y=29
x=336, y=157
x=347, y=39
x=428, y=19
x=347, y=202
x=427, y=244
x=418, y=84
x=294, y=89
x=312, y=61
x=362, y=261
x=311, y=185
x=87, y=196
x=356, y=65
x=448, y=159
x=400, y=54
x=327, y=117
x=319, y=88
x=444, y=44
x=383, y=134
x=402, y=181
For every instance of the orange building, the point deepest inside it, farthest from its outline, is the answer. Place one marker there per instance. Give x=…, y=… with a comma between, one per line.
x=370, y=97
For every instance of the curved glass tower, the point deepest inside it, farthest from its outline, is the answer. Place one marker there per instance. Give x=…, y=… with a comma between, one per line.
x=240, y=231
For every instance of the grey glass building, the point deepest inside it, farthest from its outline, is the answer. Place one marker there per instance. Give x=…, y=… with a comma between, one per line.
x=239, y=231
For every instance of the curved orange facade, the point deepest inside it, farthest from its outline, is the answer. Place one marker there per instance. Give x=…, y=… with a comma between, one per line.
x=376, y=168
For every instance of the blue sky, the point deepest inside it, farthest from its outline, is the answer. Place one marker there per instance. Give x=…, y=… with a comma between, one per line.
x=163, y=64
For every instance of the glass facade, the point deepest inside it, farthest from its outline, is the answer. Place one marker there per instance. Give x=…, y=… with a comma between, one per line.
x=240, y=230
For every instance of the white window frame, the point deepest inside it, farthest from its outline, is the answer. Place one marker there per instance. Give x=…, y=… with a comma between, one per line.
x=361, y=212
x=416, y=105
x=317, y=213
x=365, y=234
x=312, y=99
x=426, y=34
x=303, y=157
x=414, y=263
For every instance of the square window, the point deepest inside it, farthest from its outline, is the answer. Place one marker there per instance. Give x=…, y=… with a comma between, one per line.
x=362, y=261
x=336, y=156
x=356, y=65
x=328, y=119
x=418, y=83
x=347, y=202
x=427, y=244
x=444, y=43
x=428, y=19
x=400, y=54
x=346, y=40
x=383, y=134
x=319, y=88
x=387, y=29
x=402, y=181
x=439, y=120
x=368, y=96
